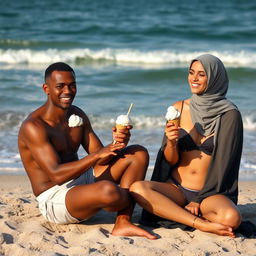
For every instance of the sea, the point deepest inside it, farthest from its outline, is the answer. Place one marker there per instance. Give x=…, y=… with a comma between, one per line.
x=123, y=52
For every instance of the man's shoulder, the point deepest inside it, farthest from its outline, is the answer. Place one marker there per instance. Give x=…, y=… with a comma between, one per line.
x=32, y=122
x=76, y=110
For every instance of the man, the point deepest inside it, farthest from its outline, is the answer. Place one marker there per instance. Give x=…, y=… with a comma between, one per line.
x=70, y=190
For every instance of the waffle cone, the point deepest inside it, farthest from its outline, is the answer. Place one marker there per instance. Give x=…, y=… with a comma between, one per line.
x=176, y=122
x=120, y=127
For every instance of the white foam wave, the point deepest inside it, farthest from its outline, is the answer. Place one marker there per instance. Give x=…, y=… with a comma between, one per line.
x=13, y=120
x=121, y=56
x=249, y=123
x=10, y=119
x=6, y=161
x=11, y=169
x=137, y=121
x=143, y=121
x=250, y=166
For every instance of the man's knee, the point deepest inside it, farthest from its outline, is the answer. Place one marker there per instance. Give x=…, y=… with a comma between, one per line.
x=137, y=152
x=110, y=193
x=137, y=149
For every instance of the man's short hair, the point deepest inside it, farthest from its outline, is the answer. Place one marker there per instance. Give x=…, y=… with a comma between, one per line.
x=58, y=66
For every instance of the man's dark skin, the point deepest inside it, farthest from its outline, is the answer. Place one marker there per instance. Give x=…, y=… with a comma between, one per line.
x=48, y=149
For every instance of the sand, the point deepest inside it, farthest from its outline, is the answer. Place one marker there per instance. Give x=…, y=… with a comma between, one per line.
x=23, y=231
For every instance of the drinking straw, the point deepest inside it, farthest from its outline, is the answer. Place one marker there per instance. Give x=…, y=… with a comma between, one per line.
x=129, y=110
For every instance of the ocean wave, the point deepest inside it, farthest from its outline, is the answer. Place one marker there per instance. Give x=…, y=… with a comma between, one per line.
x=12, y=119
x=122, y=56
x=11, y=170
x=249, y=122
x=139, y=122
x=152, y=122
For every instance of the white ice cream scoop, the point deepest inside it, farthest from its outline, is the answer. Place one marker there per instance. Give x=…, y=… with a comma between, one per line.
x=75, y=121
x=172, y=113
x=123, y=120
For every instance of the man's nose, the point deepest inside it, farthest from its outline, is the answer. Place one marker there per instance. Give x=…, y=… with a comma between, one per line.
x=66, y=89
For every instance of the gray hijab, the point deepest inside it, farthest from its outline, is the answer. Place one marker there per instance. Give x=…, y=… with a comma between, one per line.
x=206, y=108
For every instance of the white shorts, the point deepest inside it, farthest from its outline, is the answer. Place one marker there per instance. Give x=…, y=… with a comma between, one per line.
x=52, y=201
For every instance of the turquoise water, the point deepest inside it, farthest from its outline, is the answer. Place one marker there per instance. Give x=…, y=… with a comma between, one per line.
x=123, y=52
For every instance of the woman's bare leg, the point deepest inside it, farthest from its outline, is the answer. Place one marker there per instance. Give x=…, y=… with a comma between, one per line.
x=165, y=200
x=220, y=209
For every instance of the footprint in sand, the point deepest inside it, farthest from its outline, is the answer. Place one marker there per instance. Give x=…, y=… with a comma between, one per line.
x=6, y=238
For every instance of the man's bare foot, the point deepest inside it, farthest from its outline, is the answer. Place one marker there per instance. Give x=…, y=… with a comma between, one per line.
x=124, y=227
x=215, y=228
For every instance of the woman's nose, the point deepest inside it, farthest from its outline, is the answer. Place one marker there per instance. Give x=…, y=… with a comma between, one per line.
x=195, y=77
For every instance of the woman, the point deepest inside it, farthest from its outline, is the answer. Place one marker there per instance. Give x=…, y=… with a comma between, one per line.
x=195, y=179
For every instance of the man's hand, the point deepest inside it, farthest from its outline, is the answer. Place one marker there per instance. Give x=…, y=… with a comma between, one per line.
x=122, y=136
x=106, y=153
x=193, y=207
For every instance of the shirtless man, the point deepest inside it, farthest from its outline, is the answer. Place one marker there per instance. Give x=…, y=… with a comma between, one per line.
x=70, y=190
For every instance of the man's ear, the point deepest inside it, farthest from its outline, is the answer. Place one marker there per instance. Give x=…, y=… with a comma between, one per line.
x=46, y=89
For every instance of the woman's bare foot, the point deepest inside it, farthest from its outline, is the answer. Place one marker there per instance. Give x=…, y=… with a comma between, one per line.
x=212, y=227
x=123, y=227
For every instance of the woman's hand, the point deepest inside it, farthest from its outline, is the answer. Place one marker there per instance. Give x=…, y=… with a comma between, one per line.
x=193, y=207
x=172, y=132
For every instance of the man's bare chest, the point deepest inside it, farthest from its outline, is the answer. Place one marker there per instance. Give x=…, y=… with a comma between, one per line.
x=65, y=140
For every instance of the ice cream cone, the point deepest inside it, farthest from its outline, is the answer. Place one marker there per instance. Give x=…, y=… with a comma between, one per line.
x=176, y=122
x=173, y=116
x=120, y=127
x=123, y=121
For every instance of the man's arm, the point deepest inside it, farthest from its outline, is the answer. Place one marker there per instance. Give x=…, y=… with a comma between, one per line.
x=91, y=143
x=36, y=138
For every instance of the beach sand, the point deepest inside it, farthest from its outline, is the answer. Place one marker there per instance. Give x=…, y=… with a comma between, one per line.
x=23, y=231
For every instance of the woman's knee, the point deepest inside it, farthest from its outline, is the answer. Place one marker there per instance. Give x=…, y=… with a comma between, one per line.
x=139, y=187
x=219, y=208
x=231, y=217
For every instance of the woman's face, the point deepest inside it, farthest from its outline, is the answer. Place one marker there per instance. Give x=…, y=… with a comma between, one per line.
x=197, y=78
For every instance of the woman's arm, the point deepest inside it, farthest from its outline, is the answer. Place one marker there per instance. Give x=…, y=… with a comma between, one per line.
x=171, y=149
x=171, y=153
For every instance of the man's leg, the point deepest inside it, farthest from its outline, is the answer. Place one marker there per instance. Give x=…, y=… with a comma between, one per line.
x=130, y=166
x=84, y=201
